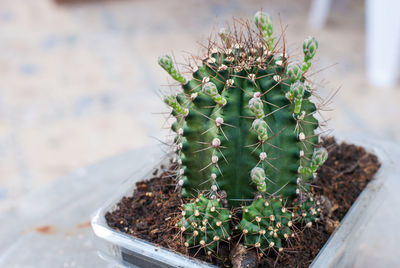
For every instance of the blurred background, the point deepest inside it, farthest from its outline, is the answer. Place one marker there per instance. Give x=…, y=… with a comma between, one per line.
x=79, y=80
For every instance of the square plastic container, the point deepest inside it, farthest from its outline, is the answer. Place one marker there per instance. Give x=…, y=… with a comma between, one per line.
x=127, y=250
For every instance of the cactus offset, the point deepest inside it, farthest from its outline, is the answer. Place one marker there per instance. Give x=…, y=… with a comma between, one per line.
x=265, y=223
x=205, y=222
x=245, y=128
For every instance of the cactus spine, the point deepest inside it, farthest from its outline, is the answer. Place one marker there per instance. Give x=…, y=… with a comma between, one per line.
x=245, y=129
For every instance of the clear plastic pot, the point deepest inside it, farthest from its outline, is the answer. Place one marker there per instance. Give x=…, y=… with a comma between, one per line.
x=338, y=251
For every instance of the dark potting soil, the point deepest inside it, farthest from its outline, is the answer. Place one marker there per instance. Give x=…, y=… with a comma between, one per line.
x=154, y=208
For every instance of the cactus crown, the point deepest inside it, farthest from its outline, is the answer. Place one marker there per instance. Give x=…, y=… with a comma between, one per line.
x=245, y=129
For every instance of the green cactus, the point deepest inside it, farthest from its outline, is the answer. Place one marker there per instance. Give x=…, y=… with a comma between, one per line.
x=265, y=223
x=205, y=222
x=308, y=211
x=245, y=128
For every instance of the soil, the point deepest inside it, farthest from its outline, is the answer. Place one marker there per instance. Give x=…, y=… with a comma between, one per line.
x=154, y=208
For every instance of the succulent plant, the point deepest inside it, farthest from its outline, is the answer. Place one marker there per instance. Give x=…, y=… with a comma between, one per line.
x=205, y=222
x=245, y=132
x=265, y=223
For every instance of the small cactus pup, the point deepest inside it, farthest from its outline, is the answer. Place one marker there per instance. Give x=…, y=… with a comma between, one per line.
x=245, y=138
x=205, y=222
x=265, y=223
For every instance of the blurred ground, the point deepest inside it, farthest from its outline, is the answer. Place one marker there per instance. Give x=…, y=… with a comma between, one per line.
x=79, y=83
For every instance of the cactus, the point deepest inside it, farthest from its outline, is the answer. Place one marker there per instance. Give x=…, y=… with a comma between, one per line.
x=205, y=222
x=265, y=223
x=244, y=129
x=308, y=211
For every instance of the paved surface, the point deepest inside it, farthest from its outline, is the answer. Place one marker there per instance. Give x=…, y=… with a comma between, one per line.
x=50, y=227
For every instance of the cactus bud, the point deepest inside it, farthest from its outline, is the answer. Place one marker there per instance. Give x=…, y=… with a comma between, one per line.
x=176, y=106
x=320, y=155
x=305, y=171
x=167, y=64
x=261, y=128
x=257, y=175
x=210, y=89
x=264, y=23
x=310, y=45
x=296, y=94
x=297, y=89
x=318, y=159
x=256, y=106
x=294, y=72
